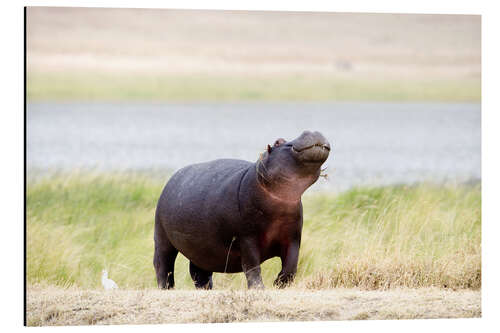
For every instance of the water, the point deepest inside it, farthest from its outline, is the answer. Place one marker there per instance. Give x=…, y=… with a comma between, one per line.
x=373, y=143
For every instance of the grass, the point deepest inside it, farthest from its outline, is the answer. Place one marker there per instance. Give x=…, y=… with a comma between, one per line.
x=61, y=86
x=369, y=238
x=73, y=306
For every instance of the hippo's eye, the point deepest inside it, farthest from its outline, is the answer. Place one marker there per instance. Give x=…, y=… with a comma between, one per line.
x=279, y=142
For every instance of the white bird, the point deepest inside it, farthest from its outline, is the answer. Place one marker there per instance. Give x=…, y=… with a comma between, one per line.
x=107, y=283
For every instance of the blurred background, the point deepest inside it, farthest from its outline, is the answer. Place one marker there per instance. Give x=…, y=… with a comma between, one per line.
x=397, y=95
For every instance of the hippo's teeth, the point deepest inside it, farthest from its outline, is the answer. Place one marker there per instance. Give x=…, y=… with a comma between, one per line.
x=322, y=146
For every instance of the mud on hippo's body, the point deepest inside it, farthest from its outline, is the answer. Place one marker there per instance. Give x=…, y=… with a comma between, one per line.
x=231, y=215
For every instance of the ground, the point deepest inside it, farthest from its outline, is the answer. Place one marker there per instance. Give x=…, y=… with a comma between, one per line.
x=58, y=306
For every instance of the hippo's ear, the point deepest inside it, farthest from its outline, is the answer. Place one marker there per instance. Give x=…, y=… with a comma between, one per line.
x=269, y=149
x=279, y=141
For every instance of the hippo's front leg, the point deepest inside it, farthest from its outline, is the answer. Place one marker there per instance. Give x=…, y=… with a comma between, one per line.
x=289, y=260
x=250, y=262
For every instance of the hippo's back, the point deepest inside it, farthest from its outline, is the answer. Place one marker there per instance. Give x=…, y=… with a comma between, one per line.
x=198, y=208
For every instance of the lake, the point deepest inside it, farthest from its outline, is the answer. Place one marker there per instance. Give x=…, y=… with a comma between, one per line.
x=372, y=143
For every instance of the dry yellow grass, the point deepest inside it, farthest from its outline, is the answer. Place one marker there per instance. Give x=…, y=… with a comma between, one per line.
x=90, y=53
x=48, y=305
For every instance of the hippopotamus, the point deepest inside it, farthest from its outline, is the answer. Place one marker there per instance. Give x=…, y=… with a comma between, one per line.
x=230, y=215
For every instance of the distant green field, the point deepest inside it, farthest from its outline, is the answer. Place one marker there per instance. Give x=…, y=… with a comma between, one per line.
x=204, y=87
x=373, y=238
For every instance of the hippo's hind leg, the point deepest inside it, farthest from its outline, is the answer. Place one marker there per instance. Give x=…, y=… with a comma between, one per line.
x=202, y=279
x=164, y=260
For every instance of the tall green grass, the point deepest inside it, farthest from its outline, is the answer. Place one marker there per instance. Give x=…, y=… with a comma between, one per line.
x=424, y=235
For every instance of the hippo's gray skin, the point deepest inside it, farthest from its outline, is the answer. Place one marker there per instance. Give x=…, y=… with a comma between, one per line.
x=231, y=215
